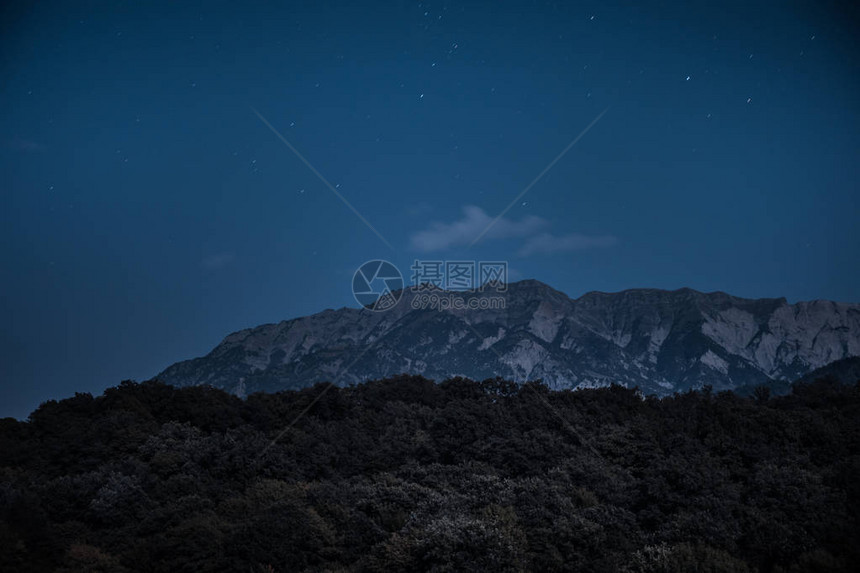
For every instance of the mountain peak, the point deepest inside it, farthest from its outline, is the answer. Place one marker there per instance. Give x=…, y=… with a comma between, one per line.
x=661, y=341
x=530, y=283
x=533, y=286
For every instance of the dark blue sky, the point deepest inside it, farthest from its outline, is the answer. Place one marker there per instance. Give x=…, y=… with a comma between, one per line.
x=147, y=211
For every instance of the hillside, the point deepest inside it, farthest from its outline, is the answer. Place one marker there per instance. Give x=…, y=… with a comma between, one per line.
x=408, y=475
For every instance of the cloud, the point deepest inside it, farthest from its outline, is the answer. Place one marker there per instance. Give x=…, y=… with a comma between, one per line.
x=217, y=261
x=545, y=243
x=537, y=239
x=440, y=236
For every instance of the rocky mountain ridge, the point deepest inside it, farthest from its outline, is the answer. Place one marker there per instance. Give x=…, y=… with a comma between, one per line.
x=661, y=341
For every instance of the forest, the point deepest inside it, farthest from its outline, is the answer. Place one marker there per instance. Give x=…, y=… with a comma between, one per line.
x=405, y=474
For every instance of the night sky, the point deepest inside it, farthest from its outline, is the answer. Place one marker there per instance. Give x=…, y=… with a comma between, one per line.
x=147, y=209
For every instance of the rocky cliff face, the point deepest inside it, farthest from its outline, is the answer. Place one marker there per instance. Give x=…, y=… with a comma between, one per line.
x=660, y=341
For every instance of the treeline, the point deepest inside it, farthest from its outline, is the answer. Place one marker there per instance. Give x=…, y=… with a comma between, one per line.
x=407, y=475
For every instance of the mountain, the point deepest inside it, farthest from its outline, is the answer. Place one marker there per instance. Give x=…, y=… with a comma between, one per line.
x=845, y=371
x=661, y=341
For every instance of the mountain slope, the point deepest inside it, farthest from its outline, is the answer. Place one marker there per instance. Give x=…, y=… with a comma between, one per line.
x=661, y=341
x=845, y=371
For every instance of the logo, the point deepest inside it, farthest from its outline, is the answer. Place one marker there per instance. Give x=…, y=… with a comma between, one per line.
x=377, y=285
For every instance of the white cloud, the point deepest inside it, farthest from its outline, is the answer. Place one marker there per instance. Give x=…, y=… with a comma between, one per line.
x=545, y=243
x=441, y=236
x=537, y=239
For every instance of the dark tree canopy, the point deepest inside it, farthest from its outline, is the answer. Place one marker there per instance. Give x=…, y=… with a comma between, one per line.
x=404, y=474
